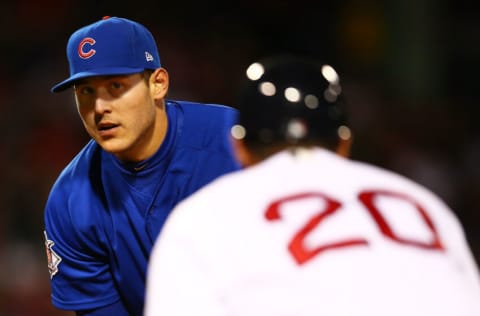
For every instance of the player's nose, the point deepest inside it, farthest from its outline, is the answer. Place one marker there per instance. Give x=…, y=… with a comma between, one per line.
x=103, y=101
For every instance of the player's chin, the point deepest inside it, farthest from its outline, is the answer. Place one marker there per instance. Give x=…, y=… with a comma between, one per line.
x=112, y=145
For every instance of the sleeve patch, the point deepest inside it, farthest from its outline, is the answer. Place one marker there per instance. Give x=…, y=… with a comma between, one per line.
x=52, y=257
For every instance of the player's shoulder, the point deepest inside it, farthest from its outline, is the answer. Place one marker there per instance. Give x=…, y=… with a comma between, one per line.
x=77, y=177
x=378, y=176
x=206, y=111
x=350, y=174
x=203, y=125
x=75, y=196
x=192, y=105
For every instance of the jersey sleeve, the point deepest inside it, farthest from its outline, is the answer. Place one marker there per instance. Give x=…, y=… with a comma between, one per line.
x=77, y=262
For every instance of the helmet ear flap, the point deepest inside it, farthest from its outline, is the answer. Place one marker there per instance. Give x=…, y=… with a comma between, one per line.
x=287, y=99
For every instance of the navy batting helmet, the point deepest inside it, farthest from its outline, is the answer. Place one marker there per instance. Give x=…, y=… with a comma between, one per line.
x=290, y=100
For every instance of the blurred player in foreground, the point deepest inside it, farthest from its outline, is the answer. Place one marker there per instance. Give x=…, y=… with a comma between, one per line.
x=146, y=154
x=304, y=230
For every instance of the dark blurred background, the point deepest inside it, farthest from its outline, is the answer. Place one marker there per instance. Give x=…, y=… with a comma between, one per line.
x=409, y=69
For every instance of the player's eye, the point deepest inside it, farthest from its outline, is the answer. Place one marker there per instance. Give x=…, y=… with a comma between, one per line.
x=116, y=85
x=85, y=90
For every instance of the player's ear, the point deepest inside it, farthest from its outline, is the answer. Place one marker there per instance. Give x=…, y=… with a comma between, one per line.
x=159, y=82
x=242, y=154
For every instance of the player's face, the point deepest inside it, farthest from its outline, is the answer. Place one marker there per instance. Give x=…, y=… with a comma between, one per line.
x=123, y=114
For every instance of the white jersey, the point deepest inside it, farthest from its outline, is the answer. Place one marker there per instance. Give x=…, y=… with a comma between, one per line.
x=312, y=234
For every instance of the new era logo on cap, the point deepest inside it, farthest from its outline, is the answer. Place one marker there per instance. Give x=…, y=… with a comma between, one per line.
x=111, y=46
x=148, y=56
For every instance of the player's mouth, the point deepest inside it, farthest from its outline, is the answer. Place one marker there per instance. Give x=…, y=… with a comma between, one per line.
x=107, y=129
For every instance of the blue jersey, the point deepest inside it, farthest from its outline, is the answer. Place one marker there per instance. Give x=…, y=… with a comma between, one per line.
x=103, y=216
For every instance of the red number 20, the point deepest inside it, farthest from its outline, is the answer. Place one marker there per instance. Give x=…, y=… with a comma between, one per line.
x=302, y=254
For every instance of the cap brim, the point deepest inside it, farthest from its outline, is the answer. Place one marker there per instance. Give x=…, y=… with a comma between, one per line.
x=67, y=83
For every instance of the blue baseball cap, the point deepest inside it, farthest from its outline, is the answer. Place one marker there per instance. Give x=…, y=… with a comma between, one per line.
x=111, y=46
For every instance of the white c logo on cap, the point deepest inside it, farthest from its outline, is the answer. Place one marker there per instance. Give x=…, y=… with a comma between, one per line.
x=86, y=54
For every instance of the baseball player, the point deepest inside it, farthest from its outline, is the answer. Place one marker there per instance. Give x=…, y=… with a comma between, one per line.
x=304, y=230
x=146, y=154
